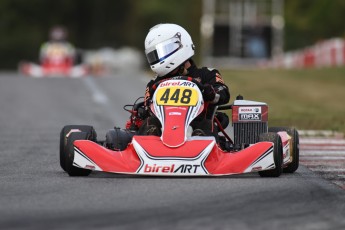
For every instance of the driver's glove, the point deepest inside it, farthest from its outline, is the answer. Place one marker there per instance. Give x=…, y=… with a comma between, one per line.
x=208, y=92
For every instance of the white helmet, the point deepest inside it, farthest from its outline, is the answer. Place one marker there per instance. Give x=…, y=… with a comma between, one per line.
x=58, y=33
x=167, y=46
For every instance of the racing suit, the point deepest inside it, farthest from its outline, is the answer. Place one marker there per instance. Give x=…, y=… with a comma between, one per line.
x=213, y=81
x=57, y=53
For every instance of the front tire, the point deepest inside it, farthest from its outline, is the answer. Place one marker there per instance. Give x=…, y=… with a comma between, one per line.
x=277, y=154
x=294, y=145
x=63, y=139
x=69, y=154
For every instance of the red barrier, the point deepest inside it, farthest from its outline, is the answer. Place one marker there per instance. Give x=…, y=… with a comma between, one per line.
x=323, y=54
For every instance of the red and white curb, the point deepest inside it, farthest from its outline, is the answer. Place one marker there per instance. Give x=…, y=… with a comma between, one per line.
x=325, y=156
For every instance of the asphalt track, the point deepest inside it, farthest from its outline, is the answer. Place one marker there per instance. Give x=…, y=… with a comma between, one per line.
x=36, y=194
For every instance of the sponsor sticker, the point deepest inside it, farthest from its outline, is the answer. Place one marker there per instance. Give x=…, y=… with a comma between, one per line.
x=256, y=109
x=249, y=113
x=250, y=117
x=175, y=114
x=173, y=168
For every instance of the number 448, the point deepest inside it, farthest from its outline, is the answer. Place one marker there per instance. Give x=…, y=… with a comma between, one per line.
x=176, y=96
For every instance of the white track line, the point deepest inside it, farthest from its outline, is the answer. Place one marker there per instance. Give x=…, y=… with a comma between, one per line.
x=97, y=95
x=102, y=99
x=322, y=152
x=315, y=157
x=324, y=148
x=321, y=141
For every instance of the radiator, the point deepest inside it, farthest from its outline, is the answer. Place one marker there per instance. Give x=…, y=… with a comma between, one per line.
x=248, y=133
x=249, y=120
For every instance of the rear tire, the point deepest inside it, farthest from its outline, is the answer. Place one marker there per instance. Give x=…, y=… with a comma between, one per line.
x=293, y=166
x=277, y=154
x=63, y=139
x=69, y=154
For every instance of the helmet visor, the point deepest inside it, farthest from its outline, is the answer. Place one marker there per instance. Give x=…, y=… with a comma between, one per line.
x=163, y=50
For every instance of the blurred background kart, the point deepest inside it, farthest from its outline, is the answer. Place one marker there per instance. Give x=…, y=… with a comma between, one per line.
x=58, y=58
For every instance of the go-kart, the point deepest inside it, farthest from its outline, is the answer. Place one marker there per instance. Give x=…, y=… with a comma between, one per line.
x=176, y=103
x=57, y=64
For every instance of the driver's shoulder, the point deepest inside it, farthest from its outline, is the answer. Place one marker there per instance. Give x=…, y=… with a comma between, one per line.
x=206, y=74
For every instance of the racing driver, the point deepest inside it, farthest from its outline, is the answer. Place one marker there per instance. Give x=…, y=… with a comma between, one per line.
x=169, y=50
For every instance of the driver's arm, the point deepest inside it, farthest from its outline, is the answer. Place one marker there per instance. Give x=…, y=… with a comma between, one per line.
x=147, y=96
x=214, y=79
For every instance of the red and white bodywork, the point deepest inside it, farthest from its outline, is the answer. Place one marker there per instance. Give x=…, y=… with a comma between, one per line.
x=53, y=70
x=176, y=103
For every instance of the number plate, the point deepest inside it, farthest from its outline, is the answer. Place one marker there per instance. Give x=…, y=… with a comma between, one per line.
x=177, y=96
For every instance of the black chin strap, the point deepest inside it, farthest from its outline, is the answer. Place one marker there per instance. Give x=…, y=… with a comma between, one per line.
x=180, y=69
